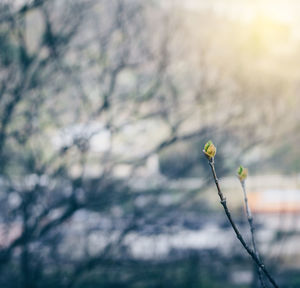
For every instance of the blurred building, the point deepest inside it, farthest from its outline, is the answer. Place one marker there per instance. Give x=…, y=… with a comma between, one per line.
x=275, y=201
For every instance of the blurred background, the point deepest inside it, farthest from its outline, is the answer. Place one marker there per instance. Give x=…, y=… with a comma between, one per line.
x=105, y=106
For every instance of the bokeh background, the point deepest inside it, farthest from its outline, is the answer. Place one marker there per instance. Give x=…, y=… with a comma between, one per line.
x=105, y=106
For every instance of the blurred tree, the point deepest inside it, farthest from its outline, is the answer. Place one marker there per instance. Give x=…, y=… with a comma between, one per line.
x=94, y=96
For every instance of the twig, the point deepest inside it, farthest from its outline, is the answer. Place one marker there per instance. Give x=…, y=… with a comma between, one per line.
x=237, y=232
x=252, y=229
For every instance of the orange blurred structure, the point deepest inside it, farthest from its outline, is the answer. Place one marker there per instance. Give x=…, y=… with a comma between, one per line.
x=275, y=201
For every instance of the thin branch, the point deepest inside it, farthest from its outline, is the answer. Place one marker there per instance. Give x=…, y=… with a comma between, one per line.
x=252, y=229
x=237, y=232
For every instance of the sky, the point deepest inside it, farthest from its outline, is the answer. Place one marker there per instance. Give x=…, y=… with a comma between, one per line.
x=285, y=11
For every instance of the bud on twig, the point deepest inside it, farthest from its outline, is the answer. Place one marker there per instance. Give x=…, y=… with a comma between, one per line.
x=209, y=150
x=242, y=173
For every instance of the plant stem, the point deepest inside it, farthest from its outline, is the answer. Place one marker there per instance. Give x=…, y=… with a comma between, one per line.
x=252, y=229
x=237, y=232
